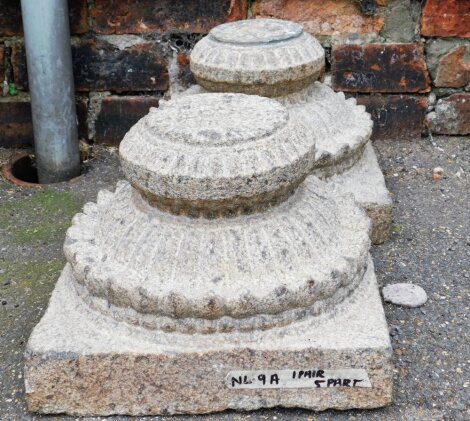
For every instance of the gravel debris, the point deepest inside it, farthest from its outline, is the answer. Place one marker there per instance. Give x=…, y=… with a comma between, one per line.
x=437, y=173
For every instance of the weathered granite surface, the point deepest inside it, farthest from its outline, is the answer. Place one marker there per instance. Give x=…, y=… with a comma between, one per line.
x=267, y=57
x=213, y=152
x=81, y=362
x=365, y=181
x=163, y=298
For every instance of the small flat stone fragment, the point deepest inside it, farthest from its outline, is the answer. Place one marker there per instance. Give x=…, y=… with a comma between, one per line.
x=407, y=295
x=437, y=173
x=267, y=57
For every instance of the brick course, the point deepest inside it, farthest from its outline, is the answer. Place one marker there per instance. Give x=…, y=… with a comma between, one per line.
x=321, y=17
x=124, y=47
x=11, y=24
x=16, y=124
x=392, y=68
x=395, y=116
x=196, y=16
x=118, y=114
x=100, y=66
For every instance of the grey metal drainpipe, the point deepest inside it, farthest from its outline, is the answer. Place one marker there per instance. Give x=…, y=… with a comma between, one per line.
x=50, y=76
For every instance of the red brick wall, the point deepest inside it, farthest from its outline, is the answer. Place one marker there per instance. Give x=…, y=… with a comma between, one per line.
x=398, y=61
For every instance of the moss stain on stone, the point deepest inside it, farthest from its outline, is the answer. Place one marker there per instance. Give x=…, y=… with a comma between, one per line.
x=40, y=218
x=25, y=286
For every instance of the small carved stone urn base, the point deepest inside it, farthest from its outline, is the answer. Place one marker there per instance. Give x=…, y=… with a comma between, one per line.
x=278, y=59
x=219, y=276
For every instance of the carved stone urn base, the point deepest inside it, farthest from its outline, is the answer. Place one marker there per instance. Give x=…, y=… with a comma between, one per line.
x=219, y=276
x=81, y=362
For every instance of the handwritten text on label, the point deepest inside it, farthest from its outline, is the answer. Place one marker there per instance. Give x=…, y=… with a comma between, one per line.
x=291, y=379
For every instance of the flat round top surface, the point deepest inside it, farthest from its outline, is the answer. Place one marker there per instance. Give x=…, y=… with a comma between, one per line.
x=221, y=120
x=257, y=31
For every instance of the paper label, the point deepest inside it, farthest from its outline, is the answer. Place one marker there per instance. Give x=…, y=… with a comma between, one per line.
x=292, y=379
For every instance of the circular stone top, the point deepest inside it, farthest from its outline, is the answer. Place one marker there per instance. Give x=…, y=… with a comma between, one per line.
x=268, y=57
x=340, y=128
x=219, y=120
x=258, y=31
x=217, y=154
x=161, y=271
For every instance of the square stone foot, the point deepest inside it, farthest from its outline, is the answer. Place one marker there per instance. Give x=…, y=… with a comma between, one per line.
x=366, y=182
x=82, y=363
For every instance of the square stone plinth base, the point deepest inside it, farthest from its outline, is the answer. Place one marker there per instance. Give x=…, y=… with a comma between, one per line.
x=81, y=363
x=366, y=182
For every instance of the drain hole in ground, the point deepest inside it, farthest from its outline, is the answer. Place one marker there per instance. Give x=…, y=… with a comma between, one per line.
x=24, y=169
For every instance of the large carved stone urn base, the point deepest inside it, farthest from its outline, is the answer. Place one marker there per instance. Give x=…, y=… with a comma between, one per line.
x=219, y=275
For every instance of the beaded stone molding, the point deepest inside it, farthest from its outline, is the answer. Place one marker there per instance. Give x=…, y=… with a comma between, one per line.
x=138, y=264
x=267, y=57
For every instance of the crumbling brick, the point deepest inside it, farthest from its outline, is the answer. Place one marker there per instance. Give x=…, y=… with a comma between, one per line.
x=451, y=115
x=196, y=16
x=11, y=24
x=446, y=18
x=395, y=116
x=99, y=66
x=118, y=114
x=393, y=68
